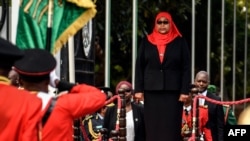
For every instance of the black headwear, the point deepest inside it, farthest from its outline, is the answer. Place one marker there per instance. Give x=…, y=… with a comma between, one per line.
x=108, y=93
x=106, y=90
x=36, y=65
x=9, y=53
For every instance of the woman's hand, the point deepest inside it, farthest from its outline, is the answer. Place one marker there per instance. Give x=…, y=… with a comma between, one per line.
x=183, y=97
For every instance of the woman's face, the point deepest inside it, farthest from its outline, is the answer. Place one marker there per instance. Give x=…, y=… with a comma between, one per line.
x=128, y=91
x=162, y=25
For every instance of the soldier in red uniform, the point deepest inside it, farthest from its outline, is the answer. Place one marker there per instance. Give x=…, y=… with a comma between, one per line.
x=34, y=73
x=19, y=111
x=187, y=126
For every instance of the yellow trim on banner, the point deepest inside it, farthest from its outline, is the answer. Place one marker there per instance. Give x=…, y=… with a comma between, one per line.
x=73, y=28
x=83, y=3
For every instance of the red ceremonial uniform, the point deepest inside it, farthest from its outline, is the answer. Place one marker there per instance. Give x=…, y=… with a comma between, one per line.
x=20, y=114
x=203, y=119
x=81, y=100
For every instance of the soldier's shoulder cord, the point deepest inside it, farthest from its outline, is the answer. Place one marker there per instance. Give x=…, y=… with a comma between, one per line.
x=87, y=117
x=91, y=130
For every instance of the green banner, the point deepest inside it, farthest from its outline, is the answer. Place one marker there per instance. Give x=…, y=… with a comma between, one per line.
x=68, y=16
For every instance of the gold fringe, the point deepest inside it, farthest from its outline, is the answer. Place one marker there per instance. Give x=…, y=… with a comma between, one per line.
x=83, y=3
x=73, y=28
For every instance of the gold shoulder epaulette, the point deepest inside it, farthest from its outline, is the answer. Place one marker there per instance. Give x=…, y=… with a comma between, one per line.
x=87, y=117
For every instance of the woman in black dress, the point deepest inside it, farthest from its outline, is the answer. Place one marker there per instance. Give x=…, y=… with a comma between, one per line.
x=135, y=130
x=162, y=77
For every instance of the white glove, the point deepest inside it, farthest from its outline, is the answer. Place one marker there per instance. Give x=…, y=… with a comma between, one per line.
x=53, y=77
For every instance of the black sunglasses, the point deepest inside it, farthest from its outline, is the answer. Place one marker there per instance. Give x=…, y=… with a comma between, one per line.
x=128, y=90
x=162, y=22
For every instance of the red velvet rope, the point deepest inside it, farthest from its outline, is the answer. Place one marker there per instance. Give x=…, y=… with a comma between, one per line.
x=192, y=138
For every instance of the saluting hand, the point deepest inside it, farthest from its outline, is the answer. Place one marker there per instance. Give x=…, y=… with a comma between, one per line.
x=183, y=98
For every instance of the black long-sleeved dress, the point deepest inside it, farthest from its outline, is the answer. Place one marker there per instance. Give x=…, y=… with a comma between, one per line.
x=162, y=84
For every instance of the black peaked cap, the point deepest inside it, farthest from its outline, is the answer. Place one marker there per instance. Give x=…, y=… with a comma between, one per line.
x=105, y=89
x=36, y=62
x=9, y=53
x=7, y=49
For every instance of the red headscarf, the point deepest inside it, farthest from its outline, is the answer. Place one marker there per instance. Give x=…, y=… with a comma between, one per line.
x=121, y=83
x=161, y=40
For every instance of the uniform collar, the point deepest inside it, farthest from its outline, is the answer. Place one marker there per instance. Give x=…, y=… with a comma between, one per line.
x=100, y=116
x=204, y=93
x=188, y=108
